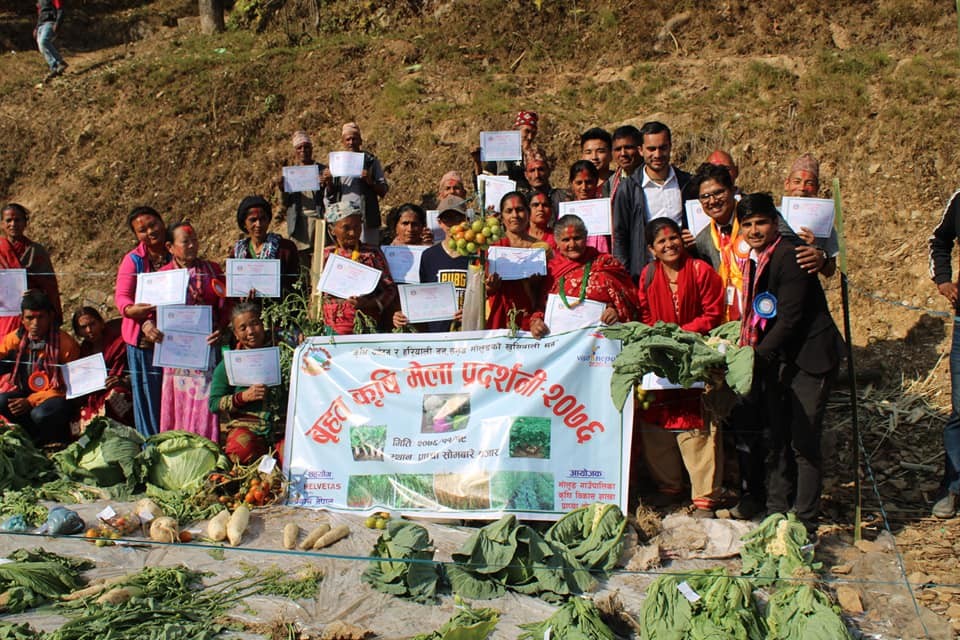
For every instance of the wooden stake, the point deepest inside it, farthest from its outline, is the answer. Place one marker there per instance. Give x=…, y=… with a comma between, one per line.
x=316, y=267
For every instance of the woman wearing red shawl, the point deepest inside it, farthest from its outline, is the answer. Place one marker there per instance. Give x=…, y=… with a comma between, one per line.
x=17, y=251
x=541, y=218
x=516, y=299
x=185, y=396
x=115, y=401
x=681, y=290
x=345, y=224
x=578, y=272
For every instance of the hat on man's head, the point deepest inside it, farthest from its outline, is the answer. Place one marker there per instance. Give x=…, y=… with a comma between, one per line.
x=807, y=163
x=527, y=118
x=350, y=127
x=251, y=202
x=299, y=138
x=452, y=205
x=340, y=210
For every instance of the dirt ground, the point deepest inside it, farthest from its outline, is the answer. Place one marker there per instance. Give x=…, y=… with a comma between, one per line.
x=152, y=112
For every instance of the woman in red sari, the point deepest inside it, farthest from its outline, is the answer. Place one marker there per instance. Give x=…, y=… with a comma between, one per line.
x=17, y=251
x=541, y=218
x=114, y=402
x=578, y=272
x=685, y=291
x=345, y=224
x=518, y=299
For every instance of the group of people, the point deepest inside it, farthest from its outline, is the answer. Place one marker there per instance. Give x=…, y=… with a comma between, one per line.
x=747, y=264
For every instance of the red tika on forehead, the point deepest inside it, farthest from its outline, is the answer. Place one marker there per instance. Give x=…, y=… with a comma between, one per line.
x=187, y=228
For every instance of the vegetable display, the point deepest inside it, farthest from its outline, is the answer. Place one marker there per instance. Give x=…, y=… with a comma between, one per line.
x=682, y=357
x=467, y=624
x=701, y=605
x=778, y=548
x=405, y=568
x=36, y=577
x=21, y=463
x=506, y=555
x=593, y=534
x=576, y=619
x=106, y=455
x=468, y=238
x=178, y=460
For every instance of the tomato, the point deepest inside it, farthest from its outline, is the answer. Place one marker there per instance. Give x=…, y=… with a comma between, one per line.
x=186, y=536
x=258, y=495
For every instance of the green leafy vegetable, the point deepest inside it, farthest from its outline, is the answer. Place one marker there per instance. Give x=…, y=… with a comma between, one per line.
x=593, y=534
x=21, y=463
x=778, y=548
x=467, y=624
x=106, y=455
x=683, y=357
x=576, y=619
x=178, y=460
x=722, y=607
x=35, y=578
x=803, y=611
x=401, y=543
x=505, y=555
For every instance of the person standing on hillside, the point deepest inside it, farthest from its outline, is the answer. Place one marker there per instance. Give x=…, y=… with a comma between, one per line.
x=818, y=255
x=528, y=124
x=49, y=18
x=798, y=350
x=302, y=209
x=365, y=190
x=942, y=241
x=595, y=145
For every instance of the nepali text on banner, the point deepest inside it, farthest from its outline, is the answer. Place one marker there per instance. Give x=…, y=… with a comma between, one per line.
x=461, y=425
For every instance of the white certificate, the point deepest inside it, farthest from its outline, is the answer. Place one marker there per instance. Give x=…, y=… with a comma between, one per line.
x=13, y=282
x=595, y=214
x=301, y=178
x=186, y=318
x=494, y=188
x=815, y=214
x=245, y=275
x=653, y=382
x=342, y=277
x=404, y=261
x=346, y=164
x=85, y=375
x=428, y=302
x=515, y=263
x=696, y=218
x=246, y=367
x=162, y=287
x=559, y=318
x=182, y=351
x=500, y=145
x=433, y=222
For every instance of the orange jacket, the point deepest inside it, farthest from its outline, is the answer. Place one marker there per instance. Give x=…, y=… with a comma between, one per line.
x=69, y=351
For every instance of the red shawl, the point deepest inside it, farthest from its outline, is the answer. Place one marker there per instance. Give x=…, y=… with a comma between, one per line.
x=608, y=283
x=699, y=296
x=34, y=258
x=523, y=295
x=114, y=349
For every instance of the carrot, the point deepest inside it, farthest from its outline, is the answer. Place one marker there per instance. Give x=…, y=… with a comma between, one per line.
x=338, y=533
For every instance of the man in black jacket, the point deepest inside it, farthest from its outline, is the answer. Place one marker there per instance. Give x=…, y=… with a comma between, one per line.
x=49, y=17
x=655, y=189
x=941, y=246
x=798, y=350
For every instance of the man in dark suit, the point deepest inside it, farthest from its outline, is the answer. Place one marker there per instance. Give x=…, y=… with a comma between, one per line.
x=798, y=350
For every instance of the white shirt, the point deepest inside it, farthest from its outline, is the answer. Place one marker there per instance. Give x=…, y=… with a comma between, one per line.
x=663, y=200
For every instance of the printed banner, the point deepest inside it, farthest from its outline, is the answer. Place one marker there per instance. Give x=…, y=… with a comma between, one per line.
x=459, y=425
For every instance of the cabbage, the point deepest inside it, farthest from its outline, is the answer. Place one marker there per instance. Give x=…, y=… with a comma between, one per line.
x=178, y=460
x=106, y=455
